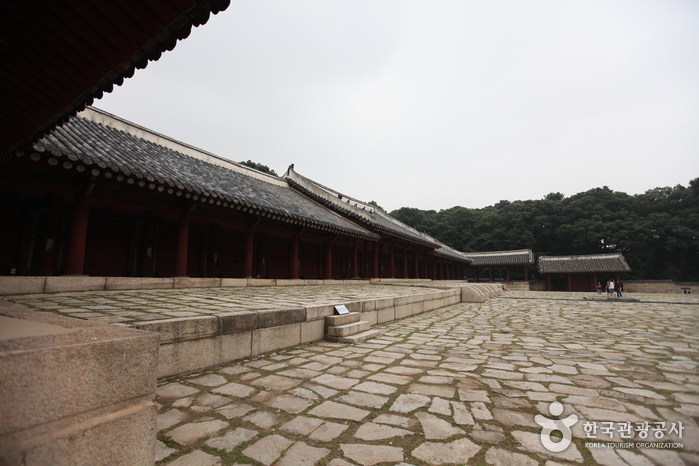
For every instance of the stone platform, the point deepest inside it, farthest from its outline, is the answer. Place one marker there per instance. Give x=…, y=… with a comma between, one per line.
x=74, y=391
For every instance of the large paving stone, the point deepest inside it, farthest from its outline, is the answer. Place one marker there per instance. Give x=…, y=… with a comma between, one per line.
x=456, y=452
x=375, y=388
x=175, y=390
x=234, y=389
x=500, y=457
x=262, y=419
x=209, y=380
x=532, y=442
x=197, y=458
x=334, y=381
x=436, y=428
x=302, y=425
x=268, y=449
x=289, y=403
x=328, y=432
x=335, y=410
x=170, y=418
x=190, y=433
x=409, y=403
x=363, y=399
x=369, y=455
x=432, y=390
x=301, y=454
x=232, y=439
x=371, y=431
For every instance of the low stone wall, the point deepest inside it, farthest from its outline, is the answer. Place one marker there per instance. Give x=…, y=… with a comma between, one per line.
x=516, y=286
x=27, y=285
x=194, y=343
x=660, y=286
x=74, y=391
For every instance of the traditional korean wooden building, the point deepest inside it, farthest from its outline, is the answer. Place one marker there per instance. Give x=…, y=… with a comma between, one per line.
x=104, y=197
x=582, y=273
x=402, y=252
x=500, y=259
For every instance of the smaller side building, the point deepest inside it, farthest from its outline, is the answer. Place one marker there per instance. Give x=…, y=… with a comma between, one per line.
x=507, y=259
x=581, y=273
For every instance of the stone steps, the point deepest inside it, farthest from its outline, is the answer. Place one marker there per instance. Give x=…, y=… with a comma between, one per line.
x=348, y=328
x=356, y=338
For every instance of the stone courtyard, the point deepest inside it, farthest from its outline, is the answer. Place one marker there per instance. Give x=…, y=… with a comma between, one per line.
x=457, y=385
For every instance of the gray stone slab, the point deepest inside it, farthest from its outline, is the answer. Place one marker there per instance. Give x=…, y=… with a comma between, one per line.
x=436, y=428
x=456, y=452
x=197, y=458
x=301, y=454
x=175, y=390
x=501, y=457
x=371, y=431
x=409, y=403
x=331, y=409
x=190, y=433
x=234, y=389
x=232, y=439
x=328, y=432
x=268, y=449
x=363, y=399
x=369, y=455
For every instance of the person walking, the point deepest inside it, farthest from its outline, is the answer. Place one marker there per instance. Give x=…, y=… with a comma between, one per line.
x=599, y=288
x=611, y=288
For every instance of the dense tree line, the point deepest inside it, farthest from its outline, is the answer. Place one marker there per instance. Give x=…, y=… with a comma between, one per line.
x=658, y=231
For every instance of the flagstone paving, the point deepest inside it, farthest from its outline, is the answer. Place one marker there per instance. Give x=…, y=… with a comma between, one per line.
x=126, y=307
x=464, y=384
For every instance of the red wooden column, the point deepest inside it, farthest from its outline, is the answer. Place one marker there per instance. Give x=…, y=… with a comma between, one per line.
x=417, y=266
x=376, y=261
x=427, y=270
x=526, y=277
x=146, y=268
x=405, y=263
x=355, y=260
x=570, y=284
x=51, y=228
x=182, y=244
x=434, y=270
x=328, y=275
x=475, y=275
x=247, y=262
x=490, y=274
x=294, y=262
x=212, y=262
x=75, y=260
x=507, y=274
x=393, y=262
x=365, y=271
x=548, y=282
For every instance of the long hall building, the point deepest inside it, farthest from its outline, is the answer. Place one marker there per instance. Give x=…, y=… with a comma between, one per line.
x=101, y=196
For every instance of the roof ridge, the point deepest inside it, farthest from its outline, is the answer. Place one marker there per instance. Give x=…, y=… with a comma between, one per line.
x=110, y=120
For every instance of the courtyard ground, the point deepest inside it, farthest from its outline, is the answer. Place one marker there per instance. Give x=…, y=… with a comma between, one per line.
x=465, y=384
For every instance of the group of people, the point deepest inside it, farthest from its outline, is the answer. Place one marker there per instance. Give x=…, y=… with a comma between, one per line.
x=611, y=288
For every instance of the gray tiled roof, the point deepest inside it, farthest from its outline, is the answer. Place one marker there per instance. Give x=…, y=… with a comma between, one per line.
x=597, y=263
x=501, y=258
x=93, y=144
x=363, y=212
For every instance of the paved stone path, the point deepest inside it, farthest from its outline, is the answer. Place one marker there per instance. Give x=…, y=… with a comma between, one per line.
x=459, y=385
x=147, y=305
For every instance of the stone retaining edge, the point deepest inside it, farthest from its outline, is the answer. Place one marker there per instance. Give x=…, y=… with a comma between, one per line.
x=191, y=344
x=35, y=285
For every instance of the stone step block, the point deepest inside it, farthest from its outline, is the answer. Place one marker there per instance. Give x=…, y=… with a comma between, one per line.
x=334, y=321
x=357, y=338
x=347, y=329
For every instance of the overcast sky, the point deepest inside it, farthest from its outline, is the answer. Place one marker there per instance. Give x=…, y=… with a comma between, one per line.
x=433, y=104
